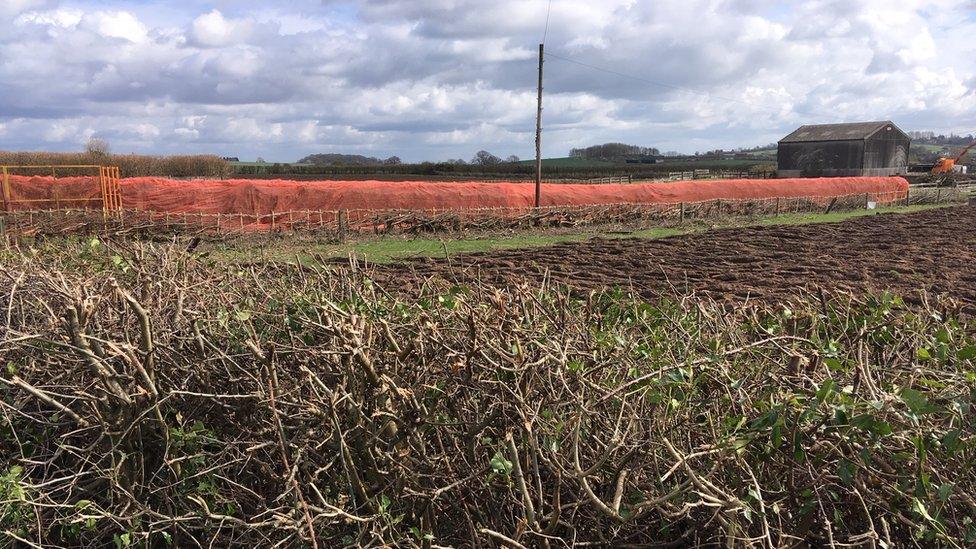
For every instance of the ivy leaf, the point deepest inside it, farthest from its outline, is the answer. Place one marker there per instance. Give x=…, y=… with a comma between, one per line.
x=916, y=401
x=777, y=435
x=846, y=470
x=501, y=465
x=967, y=353
x=950, y=441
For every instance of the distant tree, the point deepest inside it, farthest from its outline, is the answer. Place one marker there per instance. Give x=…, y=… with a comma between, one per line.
x=485, y=158
x=513, y=159
x=393, y=161
x=456, y=161
x=335, y=159
x=613, y=152
x=260, y=160
x=97, y=147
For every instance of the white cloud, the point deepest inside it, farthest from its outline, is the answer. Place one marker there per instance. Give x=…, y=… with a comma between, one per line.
x=214, y=30
x=116, y=24
x=186, y=134
x=64, y=18
x=12, y=8
x=145, y=132
x=439, y=79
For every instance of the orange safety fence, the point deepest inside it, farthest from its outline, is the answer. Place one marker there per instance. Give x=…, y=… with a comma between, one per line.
x=340, y=223
x=267, y=197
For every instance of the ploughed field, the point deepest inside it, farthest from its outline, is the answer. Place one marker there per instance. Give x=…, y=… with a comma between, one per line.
x=934, y=250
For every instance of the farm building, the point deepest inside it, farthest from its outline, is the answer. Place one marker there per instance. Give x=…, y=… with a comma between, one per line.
x=840, y=150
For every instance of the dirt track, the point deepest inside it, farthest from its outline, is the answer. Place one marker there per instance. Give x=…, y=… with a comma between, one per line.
x=935, y=250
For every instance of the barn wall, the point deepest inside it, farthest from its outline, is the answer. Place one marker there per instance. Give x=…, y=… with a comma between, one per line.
x=826, y=158
x=886, y=153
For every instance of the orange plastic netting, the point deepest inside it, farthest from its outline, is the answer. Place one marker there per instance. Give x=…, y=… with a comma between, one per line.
x=260, y=197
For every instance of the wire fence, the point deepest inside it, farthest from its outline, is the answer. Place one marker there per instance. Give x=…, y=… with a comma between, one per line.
x=340, y=224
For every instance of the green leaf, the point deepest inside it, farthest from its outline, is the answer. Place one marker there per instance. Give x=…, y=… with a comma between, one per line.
x=967, y=353
x=915, y=401
x=799, y=454
x=950, y=441
x=944, y=491
x=919, y=508
x=825, y=390
x=122, y=541
x=869, y=423
x=846, y=471
x=923, y=354
x=501, y=465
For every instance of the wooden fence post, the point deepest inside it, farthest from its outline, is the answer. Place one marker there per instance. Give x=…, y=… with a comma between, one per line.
x=681, y=213
x=830, y=206
x=776, y=213
x=343, y=221
x=907, y=201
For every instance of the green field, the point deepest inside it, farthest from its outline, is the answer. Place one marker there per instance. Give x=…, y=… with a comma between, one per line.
x=392, y=248
x=570, y=162
x=676, y=164
x=265, y=164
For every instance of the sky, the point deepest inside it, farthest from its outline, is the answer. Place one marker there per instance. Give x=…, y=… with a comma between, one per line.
x=439, y=79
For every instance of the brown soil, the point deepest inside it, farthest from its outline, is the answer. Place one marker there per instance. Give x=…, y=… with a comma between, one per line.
x=933, y=250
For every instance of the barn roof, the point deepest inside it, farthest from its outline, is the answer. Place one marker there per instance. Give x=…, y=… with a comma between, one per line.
x=836, y=132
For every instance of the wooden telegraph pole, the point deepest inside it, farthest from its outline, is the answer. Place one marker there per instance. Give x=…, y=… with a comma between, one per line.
x=538, y=136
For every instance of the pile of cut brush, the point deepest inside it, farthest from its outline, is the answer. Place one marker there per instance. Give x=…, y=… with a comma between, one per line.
x=148, y=398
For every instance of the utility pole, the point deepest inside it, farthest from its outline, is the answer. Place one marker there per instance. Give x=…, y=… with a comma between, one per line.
x=538, y=135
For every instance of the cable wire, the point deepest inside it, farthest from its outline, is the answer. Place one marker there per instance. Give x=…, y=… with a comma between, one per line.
x=546, y=33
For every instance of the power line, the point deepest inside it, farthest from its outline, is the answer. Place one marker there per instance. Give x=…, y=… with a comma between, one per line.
x=546, y=33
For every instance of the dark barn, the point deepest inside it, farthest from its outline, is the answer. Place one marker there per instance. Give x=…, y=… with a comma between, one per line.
x=838, y=150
